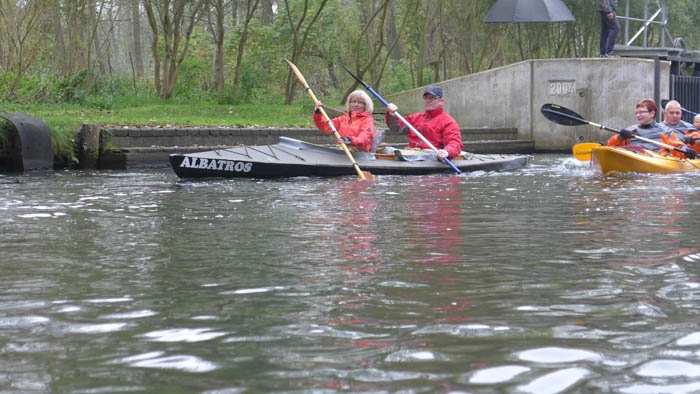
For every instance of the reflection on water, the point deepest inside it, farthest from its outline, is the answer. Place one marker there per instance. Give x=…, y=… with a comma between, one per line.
x=547, y=279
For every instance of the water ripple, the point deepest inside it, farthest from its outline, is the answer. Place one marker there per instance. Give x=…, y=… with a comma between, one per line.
x=378, y=375
x=668, y=368
x=689, y=340
x=23, y=321
x=183, y=335
x=555, y=382
x=408, y=355
x=97, y=328
x=130, y=315
x=463, y=330
x=179, y=362
x=495, y=375
x=661, y=389
x=557, y=355
x=549, y=279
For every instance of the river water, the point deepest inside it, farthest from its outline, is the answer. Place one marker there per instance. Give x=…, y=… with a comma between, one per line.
x=544, y=280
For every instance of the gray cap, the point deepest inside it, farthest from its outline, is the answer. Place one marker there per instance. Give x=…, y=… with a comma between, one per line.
x=434, y=90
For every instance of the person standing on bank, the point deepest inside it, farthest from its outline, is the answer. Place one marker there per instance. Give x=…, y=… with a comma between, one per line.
x=356, y=126
x=609, y=27
x=434, y=124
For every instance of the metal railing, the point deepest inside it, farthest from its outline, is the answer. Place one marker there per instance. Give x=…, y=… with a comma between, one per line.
x=647, y=20
x=686, y=90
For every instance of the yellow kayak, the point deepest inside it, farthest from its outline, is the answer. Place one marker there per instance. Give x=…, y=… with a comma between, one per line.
x=609, y=160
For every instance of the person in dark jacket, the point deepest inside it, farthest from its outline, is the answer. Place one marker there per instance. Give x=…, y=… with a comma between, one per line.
x=434, y=124
x=609, y=27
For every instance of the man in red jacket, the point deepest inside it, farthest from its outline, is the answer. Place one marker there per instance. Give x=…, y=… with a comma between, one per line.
x=434, y=124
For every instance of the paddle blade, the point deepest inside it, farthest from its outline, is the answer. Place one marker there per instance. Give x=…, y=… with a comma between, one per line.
x=298, y=73
x=583, y=151
x=562, y=115
x=367, y=176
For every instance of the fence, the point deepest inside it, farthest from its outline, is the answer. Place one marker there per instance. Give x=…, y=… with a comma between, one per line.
x=686, y=90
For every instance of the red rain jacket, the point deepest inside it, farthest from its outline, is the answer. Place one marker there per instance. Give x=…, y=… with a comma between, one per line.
x=358, y=126
x=437, y=127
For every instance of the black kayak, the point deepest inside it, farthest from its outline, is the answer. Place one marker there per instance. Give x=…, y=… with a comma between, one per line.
x=290, y=158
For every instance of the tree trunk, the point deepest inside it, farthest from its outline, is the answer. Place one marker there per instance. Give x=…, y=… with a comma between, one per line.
x=27, y=37
x=171, y=25
x=136, y=38
x=391, y=32
x=153, y=23
x=60, y=45
x=267, y=14
x=3, y=50
x=299, y=40
x=219, y=32
x=251, y=6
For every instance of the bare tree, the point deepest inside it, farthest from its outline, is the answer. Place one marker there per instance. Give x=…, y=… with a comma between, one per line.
x=136, y=38
x=251, y=5
x=59, y=53
x=267, y=14
x=103, y=21
x=26, y=26
x=75, y=21
x=172, y=17
x=463, y=19
x=218, y=31
x=372, y=38
x=300, y=33
x=424, y=25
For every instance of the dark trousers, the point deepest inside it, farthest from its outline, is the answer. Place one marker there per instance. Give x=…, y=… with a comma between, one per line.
x=609, y=29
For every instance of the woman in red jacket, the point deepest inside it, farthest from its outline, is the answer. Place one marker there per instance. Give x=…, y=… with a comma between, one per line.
x=356, y=126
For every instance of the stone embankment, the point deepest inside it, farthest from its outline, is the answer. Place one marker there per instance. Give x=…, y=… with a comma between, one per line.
x=110, y=147
x=123, y=148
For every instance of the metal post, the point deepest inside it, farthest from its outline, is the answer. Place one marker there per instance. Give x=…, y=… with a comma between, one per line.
x=646, y=17
x=657, y=77
x=664, y=21
x=627, y=22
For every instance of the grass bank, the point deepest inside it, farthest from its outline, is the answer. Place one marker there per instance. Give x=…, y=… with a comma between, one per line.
x=64, y=120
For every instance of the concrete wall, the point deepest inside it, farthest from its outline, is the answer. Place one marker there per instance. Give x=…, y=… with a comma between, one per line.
x=601, y=90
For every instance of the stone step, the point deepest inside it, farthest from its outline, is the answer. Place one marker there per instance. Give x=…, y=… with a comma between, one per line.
x=124, y=148
x=157, y=157
x=468, y=135
x=146, y=137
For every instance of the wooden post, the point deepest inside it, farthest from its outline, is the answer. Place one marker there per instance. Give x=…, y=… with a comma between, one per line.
x=89, y=146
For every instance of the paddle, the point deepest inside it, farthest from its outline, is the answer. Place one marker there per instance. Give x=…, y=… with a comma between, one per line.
x=566, y=117
x=364, y=175
x=665, y=101
x=413, y=129
x=583, y=151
